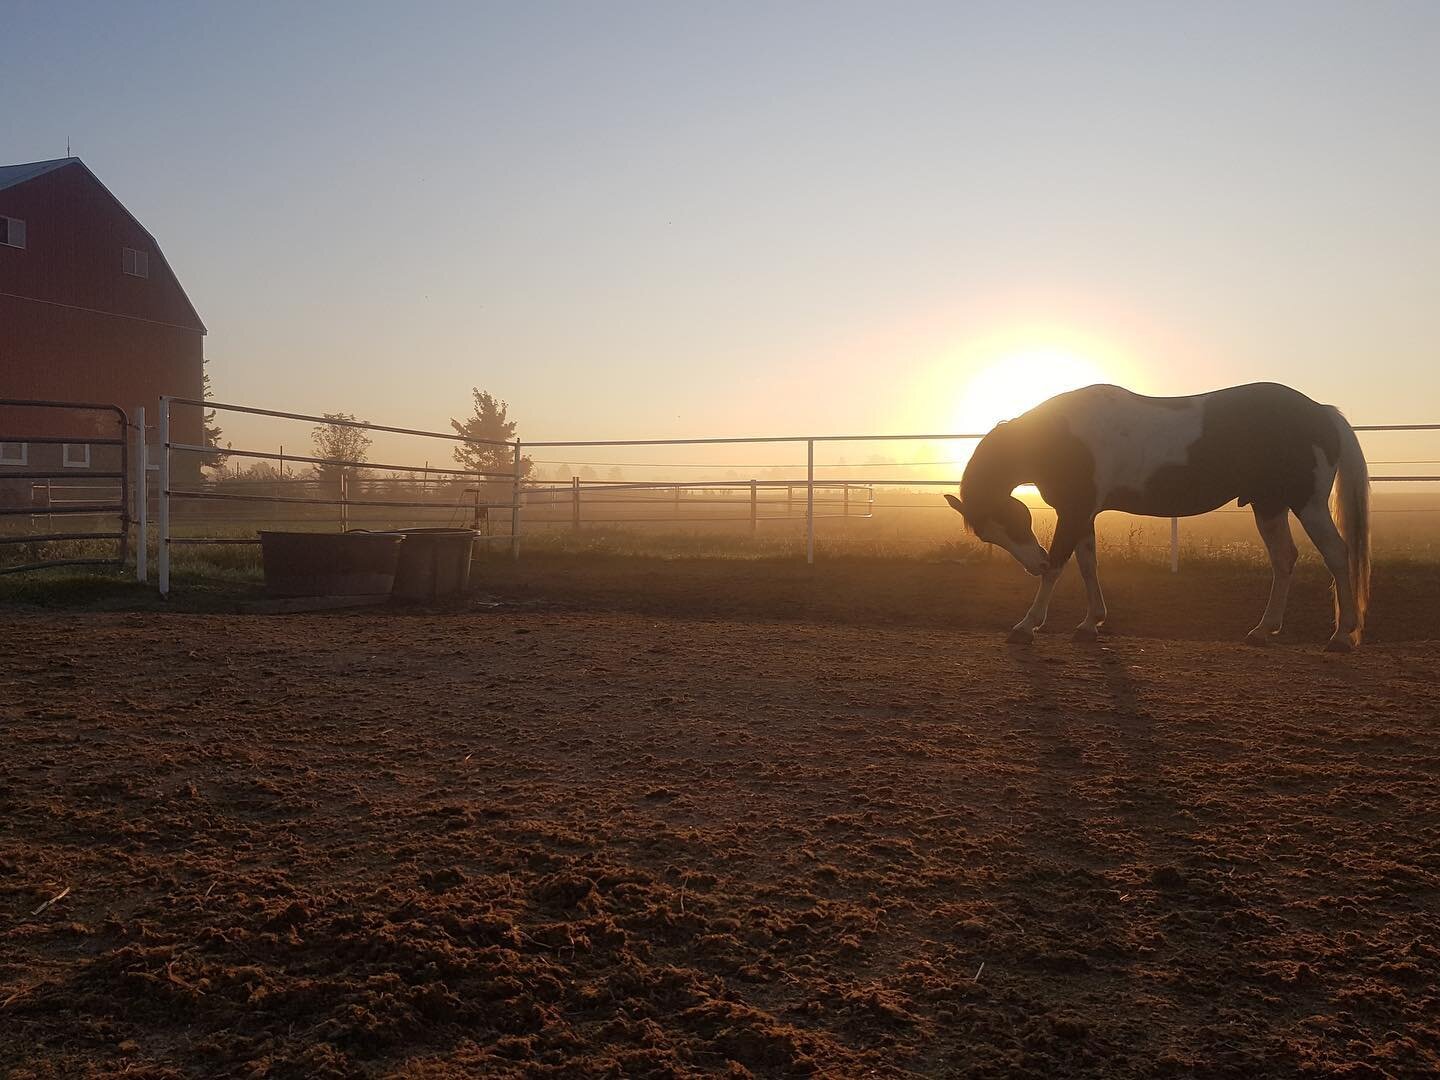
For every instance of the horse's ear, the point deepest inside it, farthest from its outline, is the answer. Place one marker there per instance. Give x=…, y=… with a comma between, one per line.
x=955, y=504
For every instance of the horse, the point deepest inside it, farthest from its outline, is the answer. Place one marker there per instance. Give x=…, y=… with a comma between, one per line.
x=1106, y=448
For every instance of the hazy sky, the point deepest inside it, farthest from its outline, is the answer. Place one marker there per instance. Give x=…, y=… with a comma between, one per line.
x=758, y=218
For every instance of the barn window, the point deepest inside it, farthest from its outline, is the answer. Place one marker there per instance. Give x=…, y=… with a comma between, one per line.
x=136, y=263
x=12, y=232
x=76, y=455
x=14, y=453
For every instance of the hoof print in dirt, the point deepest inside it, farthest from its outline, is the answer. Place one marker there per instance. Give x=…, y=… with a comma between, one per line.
x=1062, y=961
x=292, y=914
x=1168, y=879
x=1068, y=1027
x=437, y=881
x=566, y=892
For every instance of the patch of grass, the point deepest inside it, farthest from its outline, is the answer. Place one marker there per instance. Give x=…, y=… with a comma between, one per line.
x=218, y=577
x=106, y=589
x=631, y=544
x=100, y=588
x=621, y=543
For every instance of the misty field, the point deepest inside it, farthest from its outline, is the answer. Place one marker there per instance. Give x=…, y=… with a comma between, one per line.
x=618, y=816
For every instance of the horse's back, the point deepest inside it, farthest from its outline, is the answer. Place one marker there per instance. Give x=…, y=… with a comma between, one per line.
x=1249, y=398
x=1187, y=455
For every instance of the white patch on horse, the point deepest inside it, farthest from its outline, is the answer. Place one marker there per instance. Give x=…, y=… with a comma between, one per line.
x=1030, y=556
x=1132, y=438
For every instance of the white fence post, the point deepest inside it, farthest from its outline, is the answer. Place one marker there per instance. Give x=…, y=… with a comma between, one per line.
x=163, y=542
x=515, y=506
x=754, y=507
x=810, y=500
x=1174, y=545
x=575, y=504
x=142, y=498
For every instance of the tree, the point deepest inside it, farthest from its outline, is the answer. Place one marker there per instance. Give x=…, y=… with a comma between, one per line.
x=342, y=442
x=257, y=478
x=402, y=485
x=259, y=472
x=489, y=421
x=213, y=433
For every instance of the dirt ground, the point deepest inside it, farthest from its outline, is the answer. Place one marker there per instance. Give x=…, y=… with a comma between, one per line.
x=727, y=822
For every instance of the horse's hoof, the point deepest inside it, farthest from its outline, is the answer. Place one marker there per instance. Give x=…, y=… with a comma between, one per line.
x=1085, y=634
x=1020, y=636
x=1339, y=644
x=1258, y=637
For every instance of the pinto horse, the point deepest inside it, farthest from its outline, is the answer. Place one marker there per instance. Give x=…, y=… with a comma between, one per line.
x=1105, y=448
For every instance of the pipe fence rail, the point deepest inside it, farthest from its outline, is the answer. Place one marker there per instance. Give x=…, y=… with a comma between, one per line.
x=808, y=441
x=349, y=470
x=346, y=492
x=855, y=500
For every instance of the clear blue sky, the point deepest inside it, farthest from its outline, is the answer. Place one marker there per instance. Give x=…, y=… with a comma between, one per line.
x=692, y=219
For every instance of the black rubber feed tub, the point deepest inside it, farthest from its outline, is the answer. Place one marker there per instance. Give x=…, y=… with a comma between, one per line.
x=330, y=564
x=434, y=563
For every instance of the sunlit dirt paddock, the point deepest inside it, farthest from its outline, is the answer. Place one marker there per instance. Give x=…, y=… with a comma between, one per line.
x=655, y=819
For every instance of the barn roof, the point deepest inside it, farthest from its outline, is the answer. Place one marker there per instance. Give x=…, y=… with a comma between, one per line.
x=10, y=175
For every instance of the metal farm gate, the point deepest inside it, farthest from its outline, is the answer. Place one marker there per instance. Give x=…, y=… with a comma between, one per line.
x=69, y=489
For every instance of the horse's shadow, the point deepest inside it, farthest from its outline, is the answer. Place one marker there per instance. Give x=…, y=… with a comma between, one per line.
x=1099, y=821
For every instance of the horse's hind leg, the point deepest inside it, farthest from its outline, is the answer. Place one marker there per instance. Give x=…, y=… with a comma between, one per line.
x=1089, y=628
x=1274, y=529
x=1320, y=526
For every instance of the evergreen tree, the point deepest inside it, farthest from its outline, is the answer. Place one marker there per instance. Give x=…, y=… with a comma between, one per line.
x=213, y=434
x=490, y=420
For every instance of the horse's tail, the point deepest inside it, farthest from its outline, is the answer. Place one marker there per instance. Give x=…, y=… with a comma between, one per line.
x=1351, y=506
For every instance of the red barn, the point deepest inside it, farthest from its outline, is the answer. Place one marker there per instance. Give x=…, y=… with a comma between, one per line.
x=89, y=311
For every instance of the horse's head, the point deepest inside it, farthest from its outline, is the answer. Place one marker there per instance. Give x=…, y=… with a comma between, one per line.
x=1006, y=524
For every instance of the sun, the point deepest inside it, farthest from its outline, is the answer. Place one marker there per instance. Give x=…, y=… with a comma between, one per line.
x=1018, y=381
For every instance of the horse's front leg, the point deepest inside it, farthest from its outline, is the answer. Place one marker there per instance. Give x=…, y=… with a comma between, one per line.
x=1023, y=632
x=1089, y=628
x=1067, y=532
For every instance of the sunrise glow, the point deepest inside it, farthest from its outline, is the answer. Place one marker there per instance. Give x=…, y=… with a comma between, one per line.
x=1018, y=381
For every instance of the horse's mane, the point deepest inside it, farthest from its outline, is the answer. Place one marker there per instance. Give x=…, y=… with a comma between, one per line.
x=987, y=476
